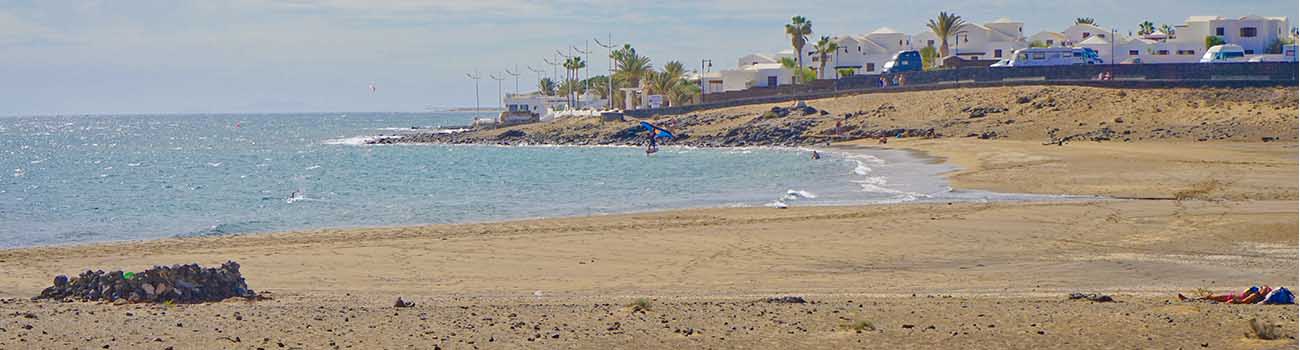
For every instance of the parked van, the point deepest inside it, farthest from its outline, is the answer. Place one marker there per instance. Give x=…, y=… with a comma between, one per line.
x=903, y=61
x=1224, y=54
x=1050, y=56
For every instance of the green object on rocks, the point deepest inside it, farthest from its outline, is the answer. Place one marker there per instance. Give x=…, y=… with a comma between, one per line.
x=129, y=275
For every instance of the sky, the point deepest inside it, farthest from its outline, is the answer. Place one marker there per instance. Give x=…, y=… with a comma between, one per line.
x=219, y=56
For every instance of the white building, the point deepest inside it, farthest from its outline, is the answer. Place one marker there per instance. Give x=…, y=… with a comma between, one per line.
x=988, y=41
x=864, y=54
x=1187, y=43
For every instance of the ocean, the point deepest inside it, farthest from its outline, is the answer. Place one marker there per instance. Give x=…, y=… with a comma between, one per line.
x=74, y=179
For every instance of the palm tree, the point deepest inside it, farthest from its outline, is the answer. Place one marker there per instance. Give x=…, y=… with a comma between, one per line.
x=630, y=67
x=825, y=47
x=1146, y=28
x=1085, y=20
x=572, y=66
x=1167, y=29
x=798, y=30
x=947, y=24
x=600, y=85
x=661, y=83
x=684, y=93
x=675, y=69
x=546, y=86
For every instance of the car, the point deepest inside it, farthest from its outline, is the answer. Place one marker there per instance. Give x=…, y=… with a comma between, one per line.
x=1225, y=53
x=903, y=61
x=1002, y=63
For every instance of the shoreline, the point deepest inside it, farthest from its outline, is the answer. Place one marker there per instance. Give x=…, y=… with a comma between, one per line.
x=933, y=275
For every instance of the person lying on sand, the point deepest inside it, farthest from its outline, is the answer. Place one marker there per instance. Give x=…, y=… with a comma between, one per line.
x=1251, y=295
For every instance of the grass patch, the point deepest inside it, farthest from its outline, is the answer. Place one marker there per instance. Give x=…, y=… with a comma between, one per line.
x=1264, y=330
x=1200, y=190
x=640, y=305
x=860, y=326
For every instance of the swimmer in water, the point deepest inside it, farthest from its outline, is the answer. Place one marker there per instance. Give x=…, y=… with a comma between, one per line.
x=816, y=156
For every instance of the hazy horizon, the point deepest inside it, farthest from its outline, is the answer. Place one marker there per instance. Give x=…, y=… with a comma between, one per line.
x=278, y=56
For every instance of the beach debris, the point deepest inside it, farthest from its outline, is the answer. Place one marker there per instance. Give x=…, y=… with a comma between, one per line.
x=980, y=111
x=1100, y=298
x=788, y=299
x=537, y=293
x=161, y=284
x=639, y=305
x=403, y=303
x=1264, y=330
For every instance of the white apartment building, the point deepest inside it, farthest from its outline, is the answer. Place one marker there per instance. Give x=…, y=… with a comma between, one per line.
x=1186, y=44
x=988, y=41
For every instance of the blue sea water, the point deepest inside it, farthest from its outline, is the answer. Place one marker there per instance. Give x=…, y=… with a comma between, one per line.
x=70, y=179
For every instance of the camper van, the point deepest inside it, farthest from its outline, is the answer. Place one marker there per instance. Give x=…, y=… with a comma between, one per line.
x=1053, y=56
x=1224, y=54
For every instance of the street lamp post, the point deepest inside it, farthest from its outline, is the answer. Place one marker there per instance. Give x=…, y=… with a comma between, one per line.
x=515, y=74
x=956, y=53
x=705, y=64
x=539, y=78
x=609, y=79
x=476, y=78
x=501, y=103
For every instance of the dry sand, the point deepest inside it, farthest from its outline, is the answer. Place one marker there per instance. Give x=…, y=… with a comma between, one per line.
x=961, y=275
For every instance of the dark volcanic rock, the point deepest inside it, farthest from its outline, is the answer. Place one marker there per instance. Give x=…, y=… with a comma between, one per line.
x=511, y=134
x=177, y=283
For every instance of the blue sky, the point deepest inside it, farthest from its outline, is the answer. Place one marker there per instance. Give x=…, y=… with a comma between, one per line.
x=163, y=56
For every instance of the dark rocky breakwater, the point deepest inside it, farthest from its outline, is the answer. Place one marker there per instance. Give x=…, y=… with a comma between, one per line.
x=780, y=126
x=177, y=283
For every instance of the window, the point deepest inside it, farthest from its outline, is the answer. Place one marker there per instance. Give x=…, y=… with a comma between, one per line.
x=1248, y=32
x=1040, y=56
x=1086, y=35
x=1132, y=52
x=1250, y=52
x=929, y=43
x=1162, y=52
x=997, y=53
x=1103, y=36
x=900, y=43
x=771, y=81
x=1218, y=31
x=1054, y=56
x=1049, y=42
x=871, y=67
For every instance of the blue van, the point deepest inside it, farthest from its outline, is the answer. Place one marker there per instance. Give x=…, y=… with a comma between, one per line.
x=903, y=61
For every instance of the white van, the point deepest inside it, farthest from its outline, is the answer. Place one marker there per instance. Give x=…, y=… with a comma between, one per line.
x=1050, y=56
x=1224, y=54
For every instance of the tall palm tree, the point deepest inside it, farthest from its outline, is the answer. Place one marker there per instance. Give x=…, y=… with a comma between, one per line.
x=825, y=48
x=798, y=30
x=572, y=66
x=947, y=24
x=631, y=65
x=1146, y=27
x=1085, y=20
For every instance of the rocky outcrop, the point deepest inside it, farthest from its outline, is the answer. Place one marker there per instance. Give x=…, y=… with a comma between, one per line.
x=177, y=283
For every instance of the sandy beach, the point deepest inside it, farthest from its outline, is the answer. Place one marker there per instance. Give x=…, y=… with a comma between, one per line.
x=1182, y=214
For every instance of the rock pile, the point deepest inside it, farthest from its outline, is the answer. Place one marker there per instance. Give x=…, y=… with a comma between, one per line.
x=177, y=283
